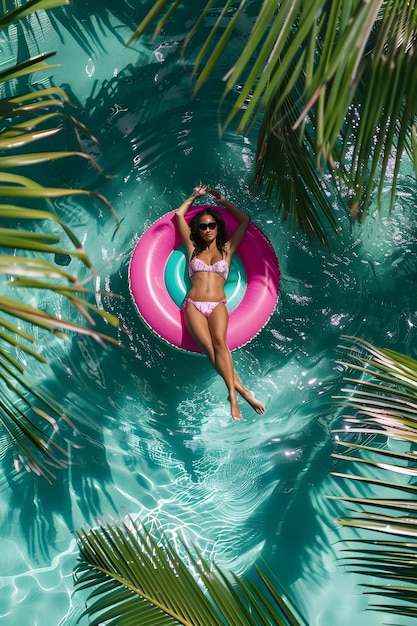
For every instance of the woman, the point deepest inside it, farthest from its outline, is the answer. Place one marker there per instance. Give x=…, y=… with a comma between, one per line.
x=205, y=311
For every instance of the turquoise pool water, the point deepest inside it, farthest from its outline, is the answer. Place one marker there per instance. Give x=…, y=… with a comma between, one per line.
x=157, y=438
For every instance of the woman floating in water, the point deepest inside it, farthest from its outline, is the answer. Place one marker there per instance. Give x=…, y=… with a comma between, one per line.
x=205, y=311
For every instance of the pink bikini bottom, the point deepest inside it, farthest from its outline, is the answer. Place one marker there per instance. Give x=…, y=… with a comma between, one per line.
x=205, y=308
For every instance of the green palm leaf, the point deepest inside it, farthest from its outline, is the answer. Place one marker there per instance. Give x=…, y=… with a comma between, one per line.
x=384, y=405
x=27, y=415
x=334, y=75
x=29, y=7
x=134, y=579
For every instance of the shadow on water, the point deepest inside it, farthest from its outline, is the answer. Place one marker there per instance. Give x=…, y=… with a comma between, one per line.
x=301, y=462
x=87, y=23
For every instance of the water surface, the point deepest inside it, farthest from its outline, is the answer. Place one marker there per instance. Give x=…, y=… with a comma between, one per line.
x=157, y=439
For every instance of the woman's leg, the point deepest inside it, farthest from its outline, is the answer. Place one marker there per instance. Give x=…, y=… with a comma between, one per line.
x=248, y=395
x=210, y=334
x=198, y=327
x=218, y=331
x=217, y=323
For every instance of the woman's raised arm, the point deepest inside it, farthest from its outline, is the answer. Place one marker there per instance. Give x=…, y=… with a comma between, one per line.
x=183, y=226
x=243, y=219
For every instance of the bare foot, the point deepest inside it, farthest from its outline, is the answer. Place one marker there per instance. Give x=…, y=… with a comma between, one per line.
x=257, y=406
x=235, y=411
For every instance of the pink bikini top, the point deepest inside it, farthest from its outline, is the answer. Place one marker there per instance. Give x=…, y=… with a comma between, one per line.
x=220, y=267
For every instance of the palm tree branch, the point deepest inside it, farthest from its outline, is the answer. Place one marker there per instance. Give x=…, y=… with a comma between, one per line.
x=29, y=7
x=384, y=399
x=12, y=211
x=349, y=69
x=116, y=558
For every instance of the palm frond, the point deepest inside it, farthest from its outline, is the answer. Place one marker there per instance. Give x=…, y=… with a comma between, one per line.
x=27, y=8
x=134, y=578
x=29, y=417
x=286, y=170
x=380, y=442
x=340, y=71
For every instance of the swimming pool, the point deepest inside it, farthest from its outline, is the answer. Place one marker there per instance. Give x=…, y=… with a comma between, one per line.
x=157, y=437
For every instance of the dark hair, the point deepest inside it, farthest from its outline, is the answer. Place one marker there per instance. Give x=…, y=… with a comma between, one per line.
x=196, y=237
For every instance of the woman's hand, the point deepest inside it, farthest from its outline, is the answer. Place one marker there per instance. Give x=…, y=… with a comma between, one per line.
x=200, y=190
x=217, y=196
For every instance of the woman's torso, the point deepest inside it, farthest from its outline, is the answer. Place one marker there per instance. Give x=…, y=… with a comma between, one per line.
x=208, y=272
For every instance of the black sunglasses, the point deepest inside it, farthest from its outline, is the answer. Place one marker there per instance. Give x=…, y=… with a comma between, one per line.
x=211, y=225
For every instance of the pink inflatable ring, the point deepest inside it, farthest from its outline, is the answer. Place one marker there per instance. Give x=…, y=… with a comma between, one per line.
x=158, y=282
